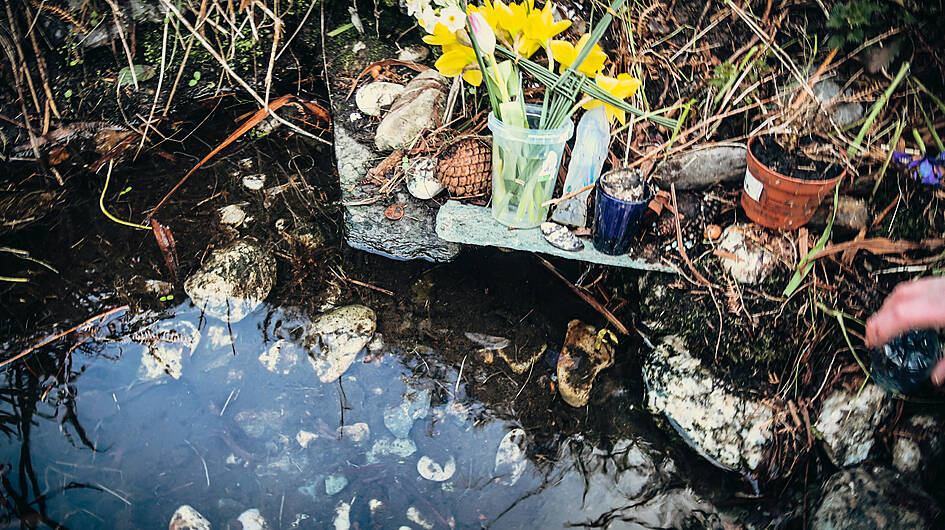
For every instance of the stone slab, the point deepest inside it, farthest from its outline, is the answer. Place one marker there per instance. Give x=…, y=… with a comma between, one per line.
x=474, y=225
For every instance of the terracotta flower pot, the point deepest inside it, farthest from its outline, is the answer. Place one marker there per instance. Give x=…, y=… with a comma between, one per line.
x=777, y=201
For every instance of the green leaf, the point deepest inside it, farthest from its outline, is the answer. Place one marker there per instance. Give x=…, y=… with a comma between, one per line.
x=68, y=94
x=142, y=72
x=197, y=75
x=806, y=264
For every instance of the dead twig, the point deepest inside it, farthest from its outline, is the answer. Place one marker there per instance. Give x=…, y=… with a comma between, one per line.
x=586, y=297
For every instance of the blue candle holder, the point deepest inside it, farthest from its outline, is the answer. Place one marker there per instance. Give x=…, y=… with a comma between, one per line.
x=616, y=221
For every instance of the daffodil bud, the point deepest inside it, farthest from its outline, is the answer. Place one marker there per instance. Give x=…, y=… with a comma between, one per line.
x=463, y=38
x=485, y=37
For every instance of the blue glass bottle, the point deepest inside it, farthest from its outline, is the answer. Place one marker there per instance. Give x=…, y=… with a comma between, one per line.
x=906, y=362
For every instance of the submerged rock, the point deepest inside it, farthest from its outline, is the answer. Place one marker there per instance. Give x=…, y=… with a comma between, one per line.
x=342, y=520
x=703, y=167
x=848, y=420
x=168, y=341
x=255, y=423
x=253, y=520
x=281, y=357
x=916, y=451
x=729, y=430
x=676, y=508
x=432, y=470
x=416, y=109
x=400, y=447
x=234, y=281
x=335, y=339
x=747, y=261
x=585, y=353
x=399, y=420
x=877, y=498
x=334, y=484
x=510, y=460
x=187, y=518
x=355, y=433
x=373, y=97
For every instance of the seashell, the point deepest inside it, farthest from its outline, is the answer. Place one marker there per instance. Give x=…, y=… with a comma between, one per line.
x=421, y=183
x=561, y=237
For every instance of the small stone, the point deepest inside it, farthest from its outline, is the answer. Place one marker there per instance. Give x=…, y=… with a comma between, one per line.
x=843, y=113
x=334, y=484
x=431, y=470
x=355, y=433
x=400, y=447
x=586, y=353
x=253, y=520
x=335, y=339
x=256, y=423
x=413, y=111
x=510, y=460
x=168, y=341
x=372, y=97
x=848, y=421
x=865, y=497
x=254, y=182
x=187, y=518
x=305, y=437
x=413, y=53
x=421, y=183
x=705, y=166
x=281, y=357
x=414, y=515
x=234, y=281
x=747, y=261
x=922, y=443
x=852, y=214
x=415, y=405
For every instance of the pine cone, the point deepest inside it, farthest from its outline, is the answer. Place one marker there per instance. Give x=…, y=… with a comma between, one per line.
x=465, y=167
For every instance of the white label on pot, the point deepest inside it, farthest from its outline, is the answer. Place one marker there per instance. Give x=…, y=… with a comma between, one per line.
x=753, y=186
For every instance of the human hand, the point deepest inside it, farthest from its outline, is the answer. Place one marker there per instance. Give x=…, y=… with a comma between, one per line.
x=913, y=305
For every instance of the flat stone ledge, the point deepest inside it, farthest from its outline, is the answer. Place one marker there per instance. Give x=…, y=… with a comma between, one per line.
x=474, y=225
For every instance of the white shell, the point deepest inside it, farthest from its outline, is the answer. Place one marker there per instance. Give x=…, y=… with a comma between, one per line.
x=561, y=237
x=420, y=180
x=431, y=470
x=254, y=182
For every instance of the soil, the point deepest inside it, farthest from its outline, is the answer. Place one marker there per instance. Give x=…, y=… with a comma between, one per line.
x=793, y=163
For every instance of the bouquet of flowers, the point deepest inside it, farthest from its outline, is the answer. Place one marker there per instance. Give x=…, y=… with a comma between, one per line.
x=494, y=43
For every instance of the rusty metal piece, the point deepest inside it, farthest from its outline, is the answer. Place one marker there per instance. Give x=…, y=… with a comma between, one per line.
x=394, y=212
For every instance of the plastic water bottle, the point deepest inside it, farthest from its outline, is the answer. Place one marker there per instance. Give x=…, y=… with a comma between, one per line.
x=906, y=362
x=591, y=144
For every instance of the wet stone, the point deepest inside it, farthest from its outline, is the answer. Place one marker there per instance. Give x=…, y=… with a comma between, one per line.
x=399, y=419
x=256, y=423
x=413, y=111
x=342, y=520
x=335, y=339
x=434, y=471
x=705, y=166
x=747, y=261
x=916, y=450
x=384, y=447
x=355, y=433
x=872, y=497
x=253, y=520
x=187, y=518
x=848, y=421
x=414, y=515
x=305, y=437
x=373, y=97
x=728, y=430
x=234, y=281
x=585, y=354
x=168, y=342
x=281, y=357
x=334, y=484
x=510, y=460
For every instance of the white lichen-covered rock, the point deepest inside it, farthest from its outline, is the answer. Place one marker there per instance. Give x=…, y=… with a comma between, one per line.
x=168, y=343
x=510, y=460
x=234, y=281
x=253, y=520
x=416, y=109
x=187, y=518
x=730, y=430
x=335, y=338
x=847, y=423
x=373, y=97
x=918, y=445
x=743, y=257
x=877, y=498
x=399, y=419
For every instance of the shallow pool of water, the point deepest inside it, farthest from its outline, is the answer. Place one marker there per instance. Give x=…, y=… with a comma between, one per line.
x=395, y=442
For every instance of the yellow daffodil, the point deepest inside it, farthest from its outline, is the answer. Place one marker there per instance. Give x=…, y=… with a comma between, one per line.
x=486, y=9
x=621, y=87
x=512, y=17
x=541, y=27
x=566, y=53
x=459, y=60
x=441, y=36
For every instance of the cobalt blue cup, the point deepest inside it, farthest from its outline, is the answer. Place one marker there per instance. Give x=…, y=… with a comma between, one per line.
x=616, y=222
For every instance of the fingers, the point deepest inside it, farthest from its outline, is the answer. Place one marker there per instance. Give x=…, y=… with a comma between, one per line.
x=938, y=373
x=912, y=305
